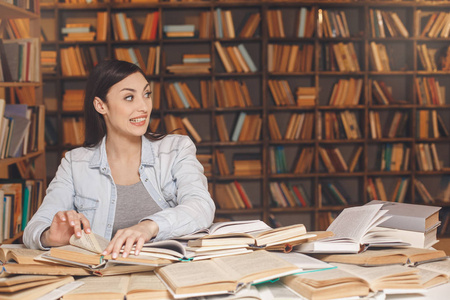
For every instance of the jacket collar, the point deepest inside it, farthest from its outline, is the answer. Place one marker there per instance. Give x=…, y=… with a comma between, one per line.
x=100, y=160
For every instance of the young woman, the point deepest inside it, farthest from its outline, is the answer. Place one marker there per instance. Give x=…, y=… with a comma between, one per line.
x=125, y=183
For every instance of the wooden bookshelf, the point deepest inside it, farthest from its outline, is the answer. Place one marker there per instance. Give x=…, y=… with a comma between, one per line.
x=33, y=163
x=405, y=67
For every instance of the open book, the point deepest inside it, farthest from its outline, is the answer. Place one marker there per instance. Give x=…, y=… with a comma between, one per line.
x=374, y=257
x=86, y=252
x=223, y=275
x=351, y=280
x=39, y=289
x=17, y=259
x=286, y=236
x=245, y=226
x=355, y=229
x=134, y=286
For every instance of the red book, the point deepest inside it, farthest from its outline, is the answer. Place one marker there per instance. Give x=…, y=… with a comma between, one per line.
x=299, y=195
x=243, y=194
x=154, y=26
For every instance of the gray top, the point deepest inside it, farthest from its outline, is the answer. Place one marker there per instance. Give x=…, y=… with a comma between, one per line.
x=133, y=204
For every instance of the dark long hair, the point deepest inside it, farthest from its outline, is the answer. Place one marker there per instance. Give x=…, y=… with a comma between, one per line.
x=106, y=74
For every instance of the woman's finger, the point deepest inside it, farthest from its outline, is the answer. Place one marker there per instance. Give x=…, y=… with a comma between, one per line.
x=139, y=245
x=128, y=245
x=86, y=224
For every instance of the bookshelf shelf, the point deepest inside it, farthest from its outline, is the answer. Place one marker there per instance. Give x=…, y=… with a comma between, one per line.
x=405, y=69
x=10, y=161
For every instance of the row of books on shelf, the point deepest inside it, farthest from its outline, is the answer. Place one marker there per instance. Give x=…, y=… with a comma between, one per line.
x=235, y=58
x=79, y=32
x=290, y=58
x=304, y=23
x=395, y=126
x=72, y=131
x=289, y=195
x=124, y=29
x=78, y=61
x=340, y=57
x=430, y=124
x=429, y=91
x=383, y=22
x=437, y=23
x=18, y=199
x=247, y=128
x=21, y=129
x=300, y=126
x=17, y=28
x=339, y=125
x=332, y=23
x=19, y=60
x=334, y=161
x=232, y=195
x=232, y=93
x=427, y=157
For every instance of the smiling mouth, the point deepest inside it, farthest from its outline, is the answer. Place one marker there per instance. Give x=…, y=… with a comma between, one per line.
x=137, y=120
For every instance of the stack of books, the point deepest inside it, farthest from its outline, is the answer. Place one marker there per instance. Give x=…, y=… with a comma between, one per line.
x=78, y=32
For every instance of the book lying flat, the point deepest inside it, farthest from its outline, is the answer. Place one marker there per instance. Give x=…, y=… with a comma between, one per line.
x=223, y=275
x=284, y=235
x=373, y=257
x=354, y=231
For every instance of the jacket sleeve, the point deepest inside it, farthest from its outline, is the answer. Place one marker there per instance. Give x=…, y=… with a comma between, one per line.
x=194, y=206
x=59, y=197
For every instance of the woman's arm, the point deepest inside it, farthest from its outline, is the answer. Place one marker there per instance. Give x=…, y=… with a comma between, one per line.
x=56, y=219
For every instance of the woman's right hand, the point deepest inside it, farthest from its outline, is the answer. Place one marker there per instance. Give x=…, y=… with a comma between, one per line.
x=64, y=225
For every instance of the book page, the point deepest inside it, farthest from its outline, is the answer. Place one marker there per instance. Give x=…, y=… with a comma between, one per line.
x=255, y=266
x=442, y=266
x=205, y=271
x=354, y=222
x=23, y=256
x=393, y=275
x=147, y=281
x=324, y=278
x=94, y=285
x=92, y=242
x=303, y=261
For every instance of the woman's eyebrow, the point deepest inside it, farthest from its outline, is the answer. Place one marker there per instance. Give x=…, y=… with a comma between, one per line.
x=128, y=89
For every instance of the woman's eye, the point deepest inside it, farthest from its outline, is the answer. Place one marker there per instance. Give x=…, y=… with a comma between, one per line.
x=129, y=98
x=147, y=94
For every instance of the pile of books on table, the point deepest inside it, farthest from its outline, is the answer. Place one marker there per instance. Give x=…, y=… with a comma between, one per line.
x=239, y=259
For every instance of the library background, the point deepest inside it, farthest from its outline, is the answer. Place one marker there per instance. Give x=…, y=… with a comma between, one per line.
x=298, y=108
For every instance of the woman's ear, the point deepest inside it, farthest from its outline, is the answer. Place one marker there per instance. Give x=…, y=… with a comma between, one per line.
x=99, y=105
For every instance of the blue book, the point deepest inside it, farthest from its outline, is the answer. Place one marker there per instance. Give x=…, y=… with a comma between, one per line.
x=133, y=57
x=18, y=112
x=238, y=127
x=219, y=22
x=302, y=22
x=181, y=94
x=123, y=25
x=179, y=28
x=247, y=58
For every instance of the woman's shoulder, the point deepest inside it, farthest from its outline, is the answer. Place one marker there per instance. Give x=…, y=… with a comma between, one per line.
x=172, y=142
x=80, y=153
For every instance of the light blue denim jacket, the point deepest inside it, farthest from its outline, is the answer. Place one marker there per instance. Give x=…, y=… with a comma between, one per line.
x=169, y=171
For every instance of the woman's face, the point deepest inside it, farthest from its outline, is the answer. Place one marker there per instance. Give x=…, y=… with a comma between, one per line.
x=128, y=107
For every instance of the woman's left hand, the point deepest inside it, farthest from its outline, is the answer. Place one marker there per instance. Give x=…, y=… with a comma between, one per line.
x=134, y=235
